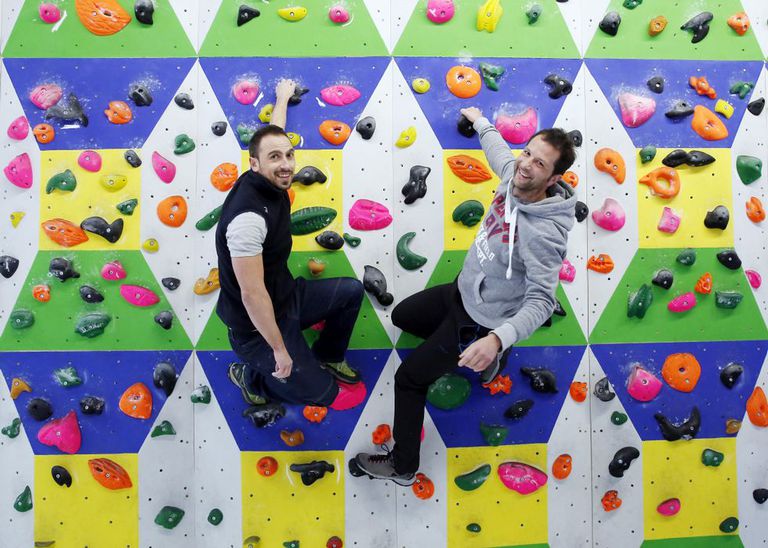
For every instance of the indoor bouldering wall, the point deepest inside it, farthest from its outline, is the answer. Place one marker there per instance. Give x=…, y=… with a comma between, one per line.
x=125, y=123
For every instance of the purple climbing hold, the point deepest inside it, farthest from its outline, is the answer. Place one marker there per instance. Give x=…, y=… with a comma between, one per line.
x=635, y=109
x=610, y=216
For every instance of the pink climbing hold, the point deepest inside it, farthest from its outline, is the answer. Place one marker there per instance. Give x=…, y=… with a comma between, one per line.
x=45, y=96
x=18, y=129
x=669, y=507
x=440, y=11
x=682, y=303
x=369, y=215
x=164, y=168
x=63, y=434
x=113, y=271
x=245, y=92
x=669, y=222
x=567, y=271
x=338, y=14
x=349, y=396
x=523, y=478
x=518, y=129
x=89, y=160
x=339, y=95
x=636, y=110
x=49, y=13
x=610, y=216
x=642, y=384
x=138, y=295
x=19, y=171
x=754, y=278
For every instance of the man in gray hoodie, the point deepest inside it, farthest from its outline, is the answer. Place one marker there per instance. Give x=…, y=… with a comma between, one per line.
x=505, y=291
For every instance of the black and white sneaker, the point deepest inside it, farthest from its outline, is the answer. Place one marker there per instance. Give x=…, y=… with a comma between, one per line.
x=382, y=466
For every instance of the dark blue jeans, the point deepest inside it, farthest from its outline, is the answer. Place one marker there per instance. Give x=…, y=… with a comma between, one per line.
x=335, y=300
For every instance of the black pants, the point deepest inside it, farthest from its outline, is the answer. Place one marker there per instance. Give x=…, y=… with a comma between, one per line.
x=437, y=315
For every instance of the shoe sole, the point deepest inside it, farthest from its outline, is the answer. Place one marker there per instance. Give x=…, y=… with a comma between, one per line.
x=244, y=392
x=356, y=469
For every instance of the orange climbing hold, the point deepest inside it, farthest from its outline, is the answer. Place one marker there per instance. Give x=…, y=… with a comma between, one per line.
x=335, y=132
x=102, y=17
x=611, y=162
x=223, y=176
x=463, y=81
x=755, y=210
x=292, y=439
x=209, y=284
x=136, y=401
x=500, y=383
x=172, y=211
x=18, y=386
x=291, y=195
x=468, y=169
x=562, y=466
x=704, y=284
x=611, y=500
x=657, y=25
x=41, y=293
x=571, y=178
x=109, y=474
x=381, y=435
x=266, y=466
x=739, y=22
x=732, y=426
x=681, y=371
x=119, y=112
x=578, y=391
x=64, y=233
x=664, y=182
x=44, y=133
x=423, y=487
x=757, y=408
x=707, y=125
x=702, y=87
x=315, y=413
x=603, y=263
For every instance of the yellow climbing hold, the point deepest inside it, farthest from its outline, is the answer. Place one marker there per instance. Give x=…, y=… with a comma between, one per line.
x=265, y=114
x=18, y=386
x=488, y=15
x=295, y=13
x=294, y=138
x=206, y=285
x=151, y=245
x=407, y=138
x=114, y=182
x=16, y=218
x=724, y=107
x=420, y=85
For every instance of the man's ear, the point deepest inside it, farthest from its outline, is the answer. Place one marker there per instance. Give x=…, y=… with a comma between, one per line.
x=554, y=179
x=254, y=163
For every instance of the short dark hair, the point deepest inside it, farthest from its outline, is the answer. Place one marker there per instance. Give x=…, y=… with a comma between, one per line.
x=560, y=140
x=255, y=142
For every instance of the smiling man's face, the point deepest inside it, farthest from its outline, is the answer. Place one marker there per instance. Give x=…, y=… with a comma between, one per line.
x=276, y=160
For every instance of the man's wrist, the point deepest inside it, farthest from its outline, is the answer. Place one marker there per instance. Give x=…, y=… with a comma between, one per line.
x=499, y=344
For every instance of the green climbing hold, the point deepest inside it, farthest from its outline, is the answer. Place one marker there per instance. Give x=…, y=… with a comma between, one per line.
x=533, y=14
x=473, y=527
x=729, y=525
x=474, y=479
x=128, y=206
x=491, y=74
x=291, y=544
x=728, y=299
x=632, y=4
x=468, y=213
x=165, y=428
x=92, y=325
x=749, y=168
x=618, y=418
x=13, y=429
x=742, y=88
x=449, y=391
x=210, y=220
x=352, y=241
x=407, y=258
x=311, y=219
x=67, y=376
x=244, y=134
x=201, y=394
x=23, y=502
x=687, y=257
x=639, y=302
x=710, y=457
x=494, y=434
x=647, y=154
x=184, y=144
x=21, y=318
x=215, y=516
x=64, y=181
x=169, y=517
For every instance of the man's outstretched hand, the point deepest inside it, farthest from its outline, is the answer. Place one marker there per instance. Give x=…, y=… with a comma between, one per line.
x=285, y=89
x=479, y=355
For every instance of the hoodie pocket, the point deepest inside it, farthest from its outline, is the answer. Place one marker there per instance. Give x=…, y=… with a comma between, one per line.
x=476, y=285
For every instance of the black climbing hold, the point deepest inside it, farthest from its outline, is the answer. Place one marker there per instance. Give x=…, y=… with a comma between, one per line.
x=686, y=430
x=756, y=107
x=547, y=322
x=91, y=405
x=365, y=127
x=246, y=14
x=622, y=460
x=416, y=187
x=582, y=211
x=559, y=310
x=264, y=415
x=519, y=409
x=8, y=266
x=219, y=128
x=576, y=137
x=697, y=158
x=329, y=239
x=39, y=409
x=144, y=9
x=298, y=91
x=603, y=390
x=132, y=158
x=62, y=269
x=729, y=259
x=680, y=110
x=610, y=23
x=542, y=380
x=375, y=283
x=61, y=476
x=309, y=175
x=656, y=84
x=164, y=377
x=164, y=319
x=98, y=225
x=90, y=294
x=68, y=111
x=717, y=218
x=730, y=374
x=558, y=86
x=675, y=158
x=663, y=278
x=465, y=127
x=312, y=471
x=184, y=101
x=140, y=95
x=699, y=25
x=171, y=283
x=760, y=495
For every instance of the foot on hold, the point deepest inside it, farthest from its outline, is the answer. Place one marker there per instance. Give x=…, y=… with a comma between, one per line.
x=495, y=367
x=312, y=471
x=342, y=371
x=265, y=415
x=379, y=467
x=235, y=374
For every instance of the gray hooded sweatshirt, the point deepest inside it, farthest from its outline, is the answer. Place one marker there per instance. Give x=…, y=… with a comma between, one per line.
x=511, y=272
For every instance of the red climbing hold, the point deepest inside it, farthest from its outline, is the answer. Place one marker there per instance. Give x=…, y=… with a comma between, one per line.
x=136, y=401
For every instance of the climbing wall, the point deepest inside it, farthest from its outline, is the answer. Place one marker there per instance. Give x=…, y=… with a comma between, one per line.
x=122, y=133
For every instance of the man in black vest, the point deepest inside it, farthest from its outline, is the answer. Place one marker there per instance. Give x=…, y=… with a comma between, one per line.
x=261, y=303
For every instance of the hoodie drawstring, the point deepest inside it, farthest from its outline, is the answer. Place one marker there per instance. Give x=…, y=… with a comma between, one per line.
x=510, y=217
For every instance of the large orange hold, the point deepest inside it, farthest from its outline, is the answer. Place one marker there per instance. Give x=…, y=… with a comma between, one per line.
x=64, y=233
x=755, y=210
x=702, y=87
x=315, y=413
x=463, y=82
x=704, y=284
x=102, y=17
x=611, y=500
x=136, y=401
x=681, y=371
x=266, y=466
x=739, y=22
x=603, y=263
x=44, y=133
x=223, y=176
x=335, y=132
x=468, y=169
x=562, y=466
x=578, y=391
x=611, y=162
x=707, y=125
x=109, y=474
x=172, y=211
x=423, y=487
x=664, y=182
x=757, y=408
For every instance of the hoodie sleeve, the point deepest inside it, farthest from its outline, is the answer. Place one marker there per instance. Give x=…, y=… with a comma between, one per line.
x=496, y=149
